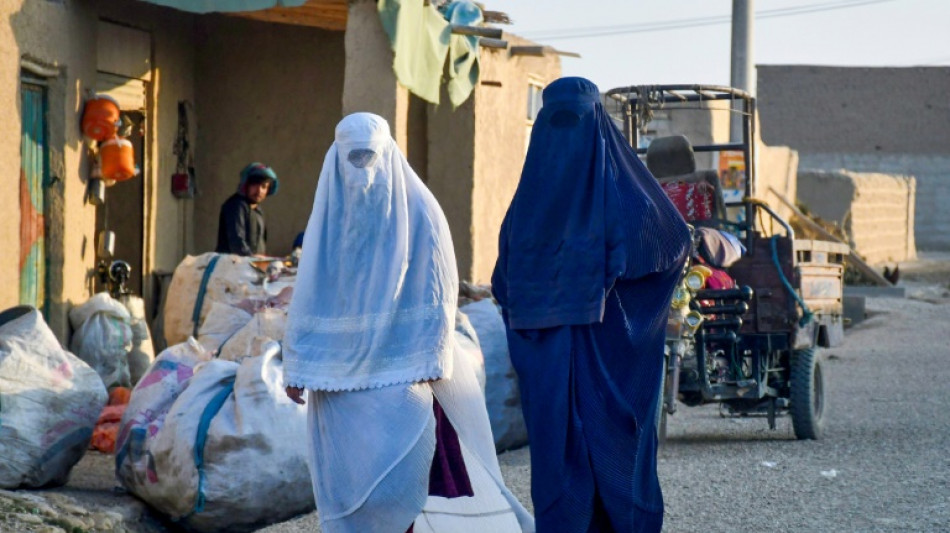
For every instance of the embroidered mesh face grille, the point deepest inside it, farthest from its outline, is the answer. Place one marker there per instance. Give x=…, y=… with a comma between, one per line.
x=362, y=157
x=564, y=119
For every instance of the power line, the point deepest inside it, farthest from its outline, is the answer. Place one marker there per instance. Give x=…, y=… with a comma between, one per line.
x=676, y=24
x=598, y=31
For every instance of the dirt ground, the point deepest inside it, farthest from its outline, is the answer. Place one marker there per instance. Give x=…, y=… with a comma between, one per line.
x=881, y=465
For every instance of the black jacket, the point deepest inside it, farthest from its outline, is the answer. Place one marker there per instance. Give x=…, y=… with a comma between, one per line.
x=241, y=228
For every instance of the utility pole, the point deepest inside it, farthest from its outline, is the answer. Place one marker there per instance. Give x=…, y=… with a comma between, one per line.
x=743, y=60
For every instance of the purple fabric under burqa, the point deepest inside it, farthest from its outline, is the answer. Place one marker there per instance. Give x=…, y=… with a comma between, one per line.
x=589, y=253
x=448, y=477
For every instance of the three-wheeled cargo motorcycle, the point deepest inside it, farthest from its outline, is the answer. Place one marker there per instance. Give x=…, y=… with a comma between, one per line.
x=754, y=304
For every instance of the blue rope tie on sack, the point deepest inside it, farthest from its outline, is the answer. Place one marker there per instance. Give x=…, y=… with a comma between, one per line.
x=807, y=315
x=202, y=437
x=200, y=299
x=217, y=353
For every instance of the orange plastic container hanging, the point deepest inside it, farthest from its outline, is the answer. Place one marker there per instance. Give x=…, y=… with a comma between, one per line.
x=116, y=160
x=100, y=118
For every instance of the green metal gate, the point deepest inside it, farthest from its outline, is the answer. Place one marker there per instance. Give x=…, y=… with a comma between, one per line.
x=34, y=178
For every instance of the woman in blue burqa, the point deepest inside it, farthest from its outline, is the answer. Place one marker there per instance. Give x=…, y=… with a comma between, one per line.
x=589, y=254
x=400, y=434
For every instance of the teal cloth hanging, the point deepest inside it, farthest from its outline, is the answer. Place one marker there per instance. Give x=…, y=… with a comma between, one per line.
x=463, y=68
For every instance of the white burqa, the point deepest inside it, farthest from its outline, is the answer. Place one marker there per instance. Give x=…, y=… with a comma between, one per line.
x=370, y=334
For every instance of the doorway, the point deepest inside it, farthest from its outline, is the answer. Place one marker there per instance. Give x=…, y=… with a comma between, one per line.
x=124, y=209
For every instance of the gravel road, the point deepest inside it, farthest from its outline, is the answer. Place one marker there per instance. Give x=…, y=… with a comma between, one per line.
x=881, y=465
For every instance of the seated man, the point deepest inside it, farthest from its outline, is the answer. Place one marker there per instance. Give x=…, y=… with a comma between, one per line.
x=241, y=228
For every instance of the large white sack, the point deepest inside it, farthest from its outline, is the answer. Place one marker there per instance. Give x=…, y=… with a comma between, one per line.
x=231, y=280
x=103, y=338
x=249, y=439
x=49, y=403
x=467, y=342
x=502, y=393
x=142, y=354
x=148, y=406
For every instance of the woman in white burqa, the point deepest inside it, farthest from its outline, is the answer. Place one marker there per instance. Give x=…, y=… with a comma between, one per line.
x=400, y=434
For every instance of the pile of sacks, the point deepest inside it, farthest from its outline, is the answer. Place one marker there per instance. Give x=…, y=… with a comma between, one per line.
x=212, y=295
x=49, y=402
x=113, y=338
x=210, y=439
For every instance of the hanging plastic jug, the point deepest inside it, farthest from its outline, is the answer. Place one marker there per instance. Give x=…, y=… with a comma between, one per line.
x=116, y=160
x=100, y=118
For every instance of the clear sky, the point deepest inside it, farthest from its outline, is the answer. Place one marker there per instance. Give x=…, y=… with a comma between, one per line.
x=894, y=33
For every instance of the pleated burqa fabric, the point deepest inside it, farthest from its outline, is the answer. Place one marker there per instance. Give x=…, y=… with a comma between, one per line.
x=370, y=335
x=589, y=253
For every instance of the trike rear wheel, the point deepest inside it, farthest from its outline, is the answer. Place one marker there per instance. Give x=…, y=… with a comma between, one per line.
x=807, y=402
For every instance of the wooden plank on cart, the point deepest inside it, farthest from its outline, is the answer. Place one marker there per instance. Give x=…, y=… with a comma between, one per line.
x=853, y=257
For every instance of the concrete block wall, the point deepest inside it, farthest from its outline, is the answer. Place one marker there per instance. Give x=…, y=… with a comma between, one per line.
x=876, y=210
x=932, y=174
x=888, y=110
x=893, y=120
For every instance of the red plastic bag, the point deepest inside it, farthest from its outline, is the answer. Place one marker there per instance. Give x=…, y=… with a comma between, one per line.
x=107, y=427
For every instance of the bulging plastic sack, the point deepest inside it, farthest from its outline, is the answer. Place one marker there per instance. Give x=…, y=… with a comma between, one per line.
x=502, y=392
x=216, y=445
x=103, y=338
x=466, y=339
x=142, y=354
x=49, y=402
x=199, y=282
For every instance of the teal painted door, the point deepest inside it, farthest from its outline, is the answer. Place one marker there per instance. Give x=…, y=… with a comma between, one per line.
x=33, y=181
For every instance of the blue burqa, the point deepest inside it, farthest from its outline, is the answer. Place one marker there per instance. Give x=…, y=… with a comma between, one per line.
x=589, y=253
